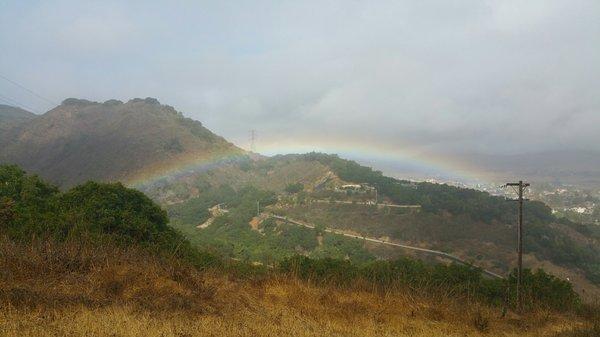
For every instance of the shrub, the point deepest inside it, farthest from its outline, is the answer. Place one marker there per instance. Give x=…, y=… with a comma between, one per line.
x=541, y=289
x=26, y=202
x=113, y=209
x=93, y=211
x=294, y=188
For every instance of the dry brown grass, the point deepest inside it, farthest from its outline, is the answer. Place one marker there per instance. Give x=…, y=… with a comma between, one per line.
x=81, y=290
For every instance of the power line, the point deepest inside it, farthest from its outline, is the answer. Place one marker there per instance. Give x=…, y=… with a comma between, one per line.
x=13, y=102
x=28, y=90
x=8, y=100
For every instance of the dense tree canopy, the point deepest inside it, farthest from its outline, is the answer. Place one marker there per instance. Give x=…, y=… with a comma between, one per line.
x=30, y=207
x=114, y=209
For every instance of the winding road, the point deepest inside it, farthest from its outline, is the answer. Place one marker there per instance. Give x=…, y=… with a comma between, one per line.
x=423, y=250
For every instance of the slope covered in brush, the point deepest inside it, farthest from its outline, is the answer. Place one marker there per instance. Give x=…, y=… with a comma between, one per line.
x=459, y=213
x=471, y=224
x=101, y=258
x=11, y=119
x=111, y=141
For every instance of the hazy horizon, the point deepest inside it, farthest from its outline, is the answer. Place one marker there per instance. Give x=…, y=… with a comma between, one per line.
x=420, y=83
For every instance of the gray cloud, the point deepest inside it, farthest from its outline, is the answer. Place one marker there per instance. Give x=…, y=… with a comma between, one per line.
x=441, y=76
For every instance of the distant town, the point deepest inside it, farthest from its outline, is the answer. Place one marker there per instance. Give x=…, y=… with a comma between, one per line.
x=570, y=201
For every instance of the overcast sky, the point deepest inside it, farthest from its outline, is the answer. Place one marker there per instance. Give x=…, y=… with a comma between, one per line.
x=434, y=76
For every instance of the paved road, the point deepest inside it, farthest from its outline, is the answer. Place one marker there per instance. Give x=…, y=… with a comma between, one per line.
x=321, y=201
x=423, y=250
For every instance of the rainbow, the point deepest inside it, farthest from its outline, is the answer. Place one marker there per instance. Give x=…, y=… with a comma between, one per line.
x=443, y=166
x=190, y=163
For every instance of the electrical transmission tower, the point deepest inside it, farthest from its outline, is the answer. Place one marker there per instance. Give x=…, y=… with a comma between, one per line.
x=253, y=140
x=519, y=187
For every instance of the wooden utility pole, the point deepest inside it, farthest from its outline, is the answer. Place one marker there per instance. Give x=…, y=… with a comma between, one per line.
x=520, y=188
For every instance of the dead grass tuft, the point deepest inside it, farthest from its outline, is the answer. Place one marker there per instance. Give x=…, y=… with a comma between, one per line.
x=591, y=330
x=46, y=274
x=70, y=289
x=481, y=323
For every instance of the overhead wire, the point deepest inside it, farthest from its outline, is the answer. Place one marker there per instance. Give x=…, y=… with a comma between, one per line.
x=28, y=90
x=13, y=102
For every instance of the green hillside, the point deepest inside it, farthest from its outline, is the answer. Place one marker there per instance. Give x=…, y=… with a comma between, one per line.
x=468, y=223
x=477, y=215
x=80, y=260
x=115, y=141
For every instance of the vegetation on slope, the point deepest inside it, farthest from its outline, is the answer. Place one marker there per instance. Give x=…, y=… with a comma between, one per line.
x=465, y=222
x=105, y=251
x=81, y=140
x=544, y=234
x=66, y=289
x=231, y=235
x=91, y=212
x=11, y=119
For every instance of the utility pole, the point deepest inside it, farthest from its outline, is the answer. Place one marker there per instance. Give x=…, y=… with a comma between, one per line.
x=257, y=207
x=520, y=186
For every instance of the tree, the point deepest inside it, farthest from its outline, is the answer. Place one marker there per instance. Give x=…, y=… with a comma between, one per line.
x=114, y=209
x=294, y=188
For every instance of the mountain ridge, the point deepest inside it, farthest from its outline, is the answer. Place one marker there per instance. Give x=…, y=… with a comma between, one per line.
x=11, y=118
x=81, y=140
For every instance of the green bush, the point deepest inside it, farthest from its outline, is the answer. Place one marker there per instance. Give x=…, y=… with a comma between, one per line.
x=294, y=188
x=27, y=203
x=540, y=289
x=113, y=209
x=93, y=211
